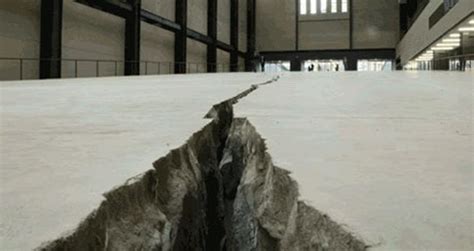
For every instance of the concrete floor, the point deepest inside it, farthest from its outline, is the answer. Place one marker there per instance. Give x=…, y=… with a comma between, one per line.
x=390, y=155
x=66, y=142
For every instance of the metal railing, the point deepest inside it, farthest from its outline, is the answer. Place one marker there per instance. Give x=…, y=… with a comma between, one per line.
x=463, y=62
x=28, y=68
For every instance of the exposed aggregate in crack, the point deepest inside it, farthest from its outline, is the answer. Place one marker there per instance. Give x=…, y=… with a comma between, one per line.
x=262, y=207
x=219, y=191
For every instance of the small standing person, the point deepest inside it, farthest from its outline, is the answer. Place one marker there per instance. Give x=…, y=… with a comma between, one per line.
x=262, y=63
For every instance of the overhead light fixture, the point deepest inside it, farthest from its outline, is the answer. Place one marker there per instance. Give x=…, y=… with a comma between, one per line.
x=454, y=40
x=442, y=48
x=456, y=35
x=471, y=22
x=463, y=29
x=448, y=45
x=426, y=55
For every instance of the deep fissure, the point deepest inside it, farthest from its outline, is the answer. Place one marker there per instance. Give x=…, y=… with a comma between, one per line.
x=219, y=191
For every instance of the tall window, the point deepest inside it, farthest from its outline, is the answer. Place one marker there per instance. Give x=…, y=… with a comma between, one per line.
x=333, y=6
x=324, y=6
x=303, y=7
x=344, y=6
x=313, y=7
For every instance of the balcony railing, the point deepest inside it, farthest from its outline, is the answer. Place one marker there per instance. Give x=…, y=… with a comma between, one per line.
x=463, y=62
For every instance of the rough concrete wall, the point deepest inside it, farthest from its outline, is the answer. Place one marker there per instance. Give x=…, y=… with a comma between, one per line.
x=324, y=34
x=376, y=24
x=223, y=21
x=420, y=36
x=197, y=15
x=275, y=25
x=164, y=8
x=197, y=56
x=223, y=61
x=19, y=37
x=243, y=25
x=91, y=34
x=157, y=45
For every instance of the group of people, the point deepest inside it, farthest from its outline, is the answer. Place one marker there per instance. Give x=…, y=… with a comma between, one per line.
x=311, y=67
x=261, y=60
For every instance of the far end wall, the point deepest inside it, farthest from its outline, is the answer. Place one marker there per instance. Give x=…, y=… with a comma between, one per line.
x=374, y=26
x=276, y=27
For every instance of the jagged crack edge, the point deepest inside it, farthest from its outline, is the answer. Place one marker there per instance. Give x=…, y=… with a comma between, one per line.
x=212, y=113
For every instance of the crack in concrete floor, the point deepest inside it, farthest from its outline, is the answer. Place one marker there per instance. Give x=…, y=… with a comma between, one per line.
x=219, y=191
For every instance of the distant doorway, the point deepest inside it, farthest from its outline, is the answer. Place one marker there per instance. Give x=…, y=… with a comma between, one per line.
x=323, y=65
x=277, y=66
x=374, y=65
